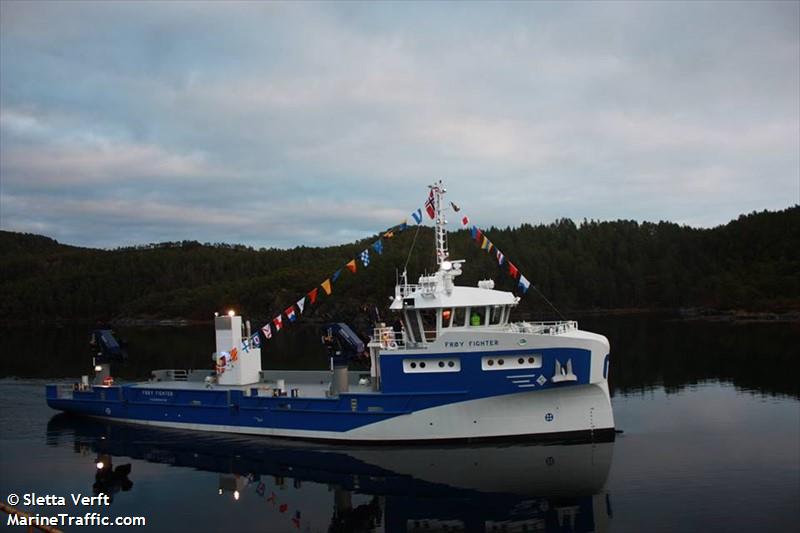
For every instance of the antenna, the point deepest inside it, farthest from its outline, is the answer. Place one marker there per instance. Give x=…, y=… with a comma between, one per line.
x=439, y=191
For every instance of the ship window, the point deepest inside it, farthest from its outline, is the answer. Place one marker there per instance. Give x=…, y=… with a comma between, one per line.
x=447, y=318
x=412, y=327
x=420, y=366
x=497, y=315
x=459, y=317
x=428, y=317
x=514, y=363
x=477, y=316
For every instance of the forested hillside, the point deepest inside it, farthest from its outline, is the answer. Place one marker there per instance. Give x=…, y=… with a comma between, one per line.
x=751, y=263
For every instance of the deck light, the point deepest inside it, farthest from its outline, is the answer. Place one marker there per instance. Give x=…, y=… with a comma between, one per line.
x=231, y=313
x=100, y=465
x=98, y=368
x=236, y=495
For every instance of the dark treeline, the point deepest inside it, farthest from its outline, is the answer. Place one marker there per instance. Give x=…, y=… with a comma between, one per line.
x=750, y=263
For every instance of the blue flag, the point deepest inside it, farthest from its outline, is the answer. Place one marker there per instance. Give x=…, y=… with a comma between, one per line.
x=378, y=247
x=336, y=275
x=524, y=284
x=417, y=216
x=365, y=257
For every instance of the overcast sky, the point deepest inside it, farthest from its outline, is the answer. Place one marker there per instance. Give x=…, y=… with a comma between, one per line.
x=274, y=124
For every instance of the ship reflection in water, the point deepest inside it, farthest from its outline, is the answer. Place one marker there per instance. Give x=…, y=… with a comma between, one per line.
x=507, y=488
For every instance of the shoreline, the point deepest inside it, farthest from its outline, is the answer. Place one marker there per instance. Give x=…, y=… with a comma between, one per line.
x=687, y=314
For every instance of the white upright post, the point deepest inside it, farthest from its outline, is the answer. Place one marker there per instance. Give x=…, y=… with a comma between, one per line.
x=245, y=369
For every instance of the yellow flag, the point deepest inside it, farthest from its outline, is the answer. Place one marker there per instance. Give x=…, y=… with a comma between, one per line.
x=326, y=286
x=389, y=234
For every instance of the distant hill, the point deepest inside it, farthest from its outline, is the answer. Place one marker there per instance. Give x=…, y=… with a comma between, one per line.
x=14, y=244
x=750, y=263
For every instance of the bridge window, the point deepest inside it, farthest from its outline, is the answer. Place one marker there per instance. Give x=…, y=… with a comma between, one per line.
x=428, y=317
x=477, y=316
x=497, y=315
x=459, y=317
x=447, y=317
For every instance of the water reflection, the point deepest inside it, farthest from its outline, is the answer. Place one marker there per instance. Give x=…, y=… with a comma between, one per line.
x=450, y=488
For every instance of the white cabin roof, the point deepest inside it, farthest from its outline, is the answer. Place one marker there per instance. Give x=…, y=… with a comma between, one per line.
x=456, y=297
x=459, y=297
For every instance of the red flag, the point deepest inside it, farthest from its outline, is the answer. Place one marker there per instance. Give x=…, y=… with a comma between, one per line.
x=512, y=270
x=278, y=321
x=465, y=221
x=352, y=266
x=429, y=207
x=478, y=236
x=312, y=295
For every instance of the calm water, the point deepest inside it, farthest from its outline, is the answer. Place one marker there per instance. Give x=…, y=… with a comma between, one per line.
x=710, y=413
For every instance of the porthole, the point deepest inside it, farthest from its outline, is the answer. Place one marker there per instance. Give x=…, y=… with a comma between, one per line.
x=447, y=364
x=515, y=362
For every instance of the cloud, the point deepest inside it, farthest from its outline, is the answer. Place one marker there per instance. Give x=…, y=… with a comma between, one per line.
x=283, y=121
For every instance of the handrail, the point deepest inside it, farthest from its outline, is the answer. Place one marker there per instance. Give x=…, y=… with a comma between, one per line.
x=544, y=328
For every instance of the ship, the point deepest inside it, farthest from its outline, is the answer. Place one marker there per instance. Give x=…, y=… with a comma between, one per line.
x=452, y=367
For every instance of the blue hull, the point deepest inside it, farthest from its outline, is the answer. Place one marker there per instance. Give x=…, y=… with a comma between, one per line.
x=464, y=405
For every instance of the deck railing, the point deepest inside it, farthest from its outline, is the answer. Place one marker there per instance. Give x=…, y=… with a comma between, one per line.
x=544, y=328
x=179, y=374
x=387, y=338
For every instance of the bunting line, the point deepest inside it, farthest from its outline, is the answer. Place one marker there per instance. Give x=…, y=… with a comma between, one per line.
x=294, y=311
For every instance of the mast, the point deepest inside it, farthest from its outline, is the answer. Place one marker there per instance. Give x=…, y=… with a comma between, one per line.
x=439, y=191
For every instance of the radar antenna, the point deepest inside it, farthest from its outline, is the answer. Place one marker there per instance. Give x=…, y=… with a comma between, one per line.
x=437, y=198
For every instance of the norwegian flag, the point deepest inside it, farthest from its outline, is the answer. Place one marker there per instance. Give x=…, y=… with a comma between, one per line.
x=267, y=331
x=429, y=205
